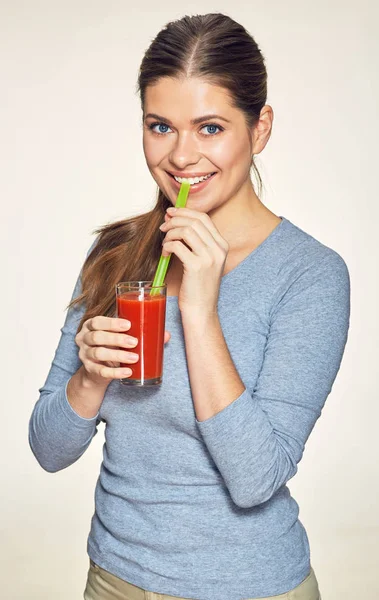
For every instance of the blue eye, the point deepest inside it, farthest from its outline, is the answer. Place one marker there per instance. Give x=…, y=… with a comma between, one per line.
x=212, y=127
x=159, y=125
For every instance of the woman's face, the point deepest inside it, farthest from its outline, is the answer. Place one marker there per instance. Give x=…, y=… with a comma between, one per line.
x=181, y=139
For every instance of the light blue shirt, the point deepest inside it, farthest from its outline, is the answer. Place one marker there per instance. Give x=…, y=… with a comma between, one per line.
x=201, y=509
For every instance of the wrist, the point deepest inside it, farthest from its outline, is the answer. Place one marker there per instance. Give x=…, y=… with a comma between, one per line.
x=85, y=396
x=200, y=319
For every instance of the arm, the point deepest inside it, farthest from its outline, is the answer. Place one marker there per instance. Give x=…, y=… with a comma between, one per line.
x=58, y=435
x=256, y=439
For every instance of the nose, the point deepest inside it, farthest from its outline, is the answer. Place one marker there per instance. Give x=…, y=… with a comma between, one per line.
x=185, y=151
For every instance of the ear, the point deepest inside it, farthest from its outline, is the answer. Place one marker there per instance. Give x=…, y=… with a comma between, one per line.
x=262, y=129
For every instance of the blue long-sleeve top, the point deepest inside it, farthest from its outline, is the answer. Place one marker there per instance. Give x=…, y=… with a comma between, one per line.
x=201, y=509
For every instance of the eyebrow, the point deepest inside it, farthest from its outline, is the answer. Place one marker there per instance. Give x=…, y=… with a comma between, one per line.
x=193, y=122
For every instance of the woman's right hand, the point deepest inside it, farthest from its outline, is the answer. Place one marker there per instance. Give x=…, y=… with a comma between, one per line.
x=104, y=344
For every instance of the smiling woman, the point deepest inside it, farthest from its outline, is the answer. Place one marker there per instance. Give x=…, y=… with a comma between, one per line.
x=192, y=500
x=203, y=114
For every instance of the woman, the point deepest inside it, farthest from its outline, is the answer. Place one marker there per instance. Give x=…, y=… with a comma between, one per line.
x=191, y=500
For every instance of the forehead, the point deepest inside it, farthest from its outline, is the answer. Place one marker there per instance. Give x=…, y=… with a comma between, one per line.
x=186, y=99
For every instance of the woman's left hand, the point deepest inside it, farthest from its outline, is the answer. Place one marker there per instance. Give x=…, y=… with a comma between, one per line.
x=203, y=260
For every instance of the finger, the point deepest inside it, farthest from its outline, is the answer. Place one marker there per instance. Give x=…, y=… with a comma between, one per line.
x=113, y=372
x=191, y=238
x=186, y=256
x=203, y=232
x=167, y=336
x=101, y=354
x=107, y=338
x=107, y=324
x=204, y=218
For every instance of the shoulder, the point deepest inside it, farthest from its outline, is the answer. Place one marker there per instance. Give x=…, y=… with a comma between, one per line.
x=299, y=252
x=306, y=270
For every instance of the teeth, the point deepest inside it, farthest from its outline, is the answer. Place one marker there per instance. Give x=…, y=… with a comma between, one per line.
x=192, y=180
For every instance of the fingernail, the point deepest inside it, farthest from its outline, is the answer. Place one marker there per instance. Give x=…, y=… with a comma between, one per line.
x=171, y=210
x=125, y=324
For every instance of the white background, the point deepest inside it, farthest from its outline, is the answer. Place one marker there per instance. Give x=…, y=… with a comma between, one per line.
x=72, y=160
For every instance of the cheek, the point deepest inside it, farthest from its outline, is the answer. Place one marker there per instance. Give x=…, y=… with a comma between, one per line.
x=229, y=153
x=154, y=152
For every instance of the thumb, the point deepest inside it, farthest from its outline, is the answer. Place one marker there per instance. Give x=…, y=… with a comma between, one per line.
x=167, y=336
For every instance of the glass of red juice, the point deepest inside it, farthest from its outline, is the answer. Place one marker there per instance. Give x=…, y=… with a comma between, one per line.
x=145, y=307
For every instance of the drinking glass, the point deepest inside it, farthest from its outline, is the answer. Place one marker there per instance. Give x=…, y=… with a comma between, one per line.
x=144, y=305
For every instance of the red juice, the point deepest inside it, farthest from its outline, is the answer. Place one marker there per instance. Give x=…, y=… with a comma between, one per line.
x=146, y=314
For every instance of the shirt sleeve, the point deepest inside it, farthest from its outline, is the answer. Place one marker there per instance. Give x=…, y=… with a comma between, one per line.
x=257, y=441
x=58, y=436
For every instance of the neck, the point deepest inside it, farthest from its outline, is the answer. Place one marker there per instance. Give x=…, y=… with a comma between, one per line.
x=242, y=217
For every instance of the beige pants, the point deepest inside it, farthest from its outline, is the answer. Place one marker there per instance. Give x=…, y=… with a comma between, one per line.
x=102, y=585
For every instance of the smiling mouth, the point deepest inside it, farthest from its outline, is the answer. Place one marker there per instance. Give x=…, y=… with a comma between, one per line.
x=193, y=181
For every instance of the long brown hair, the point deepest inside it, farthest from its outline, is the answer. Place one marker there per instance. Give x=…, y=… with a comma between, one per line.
x=219, y=50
